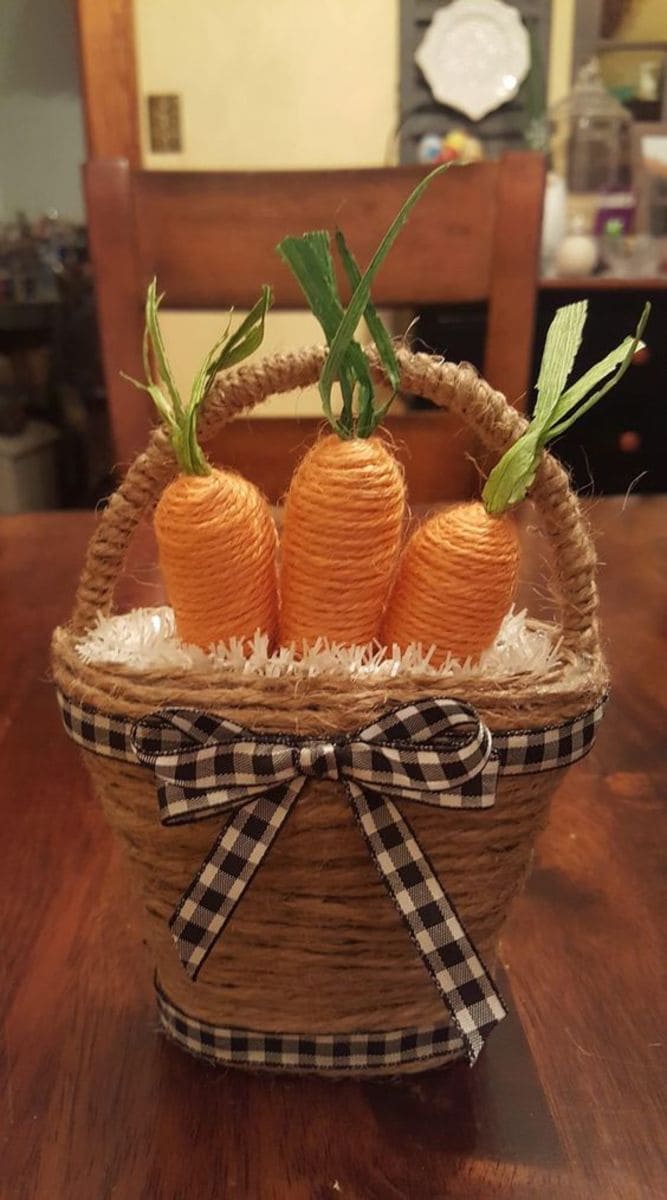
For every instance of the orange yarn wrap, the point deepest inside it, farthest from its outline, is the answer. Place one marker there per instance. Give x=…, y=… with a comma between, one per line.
x=218, y=549
x=456, y=581
x=341, y=538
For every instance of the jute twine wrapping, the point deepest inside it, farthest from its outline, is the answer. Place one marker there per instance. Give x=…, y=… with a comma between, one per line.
x=218, y=547
x=342, y=529
x=457, y=576
x=316, y=945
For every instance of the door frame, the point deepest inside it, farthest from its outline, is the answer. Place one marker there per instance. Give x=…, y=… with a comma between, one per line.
x=108, y=65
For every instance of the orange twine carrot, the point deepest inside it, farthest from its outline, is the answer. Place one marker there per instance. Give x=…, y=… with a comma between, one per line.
x=458, y=573
x=216, y=538
x=217, y=546
x=346, y=504
x=456, y=581
x=344, y=516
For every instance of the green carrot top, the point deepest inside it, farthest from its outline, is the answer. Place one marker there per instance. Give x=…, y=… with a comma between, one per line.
x=180, y=417
x=310, y=259
x=557, y=407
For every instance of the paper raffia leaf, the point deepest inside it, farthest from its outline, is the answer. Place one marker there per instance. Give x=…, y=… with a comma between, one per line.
x=620, y=358
x=556, y=412
x=233, y=348
x=181, y=419
x=560, y=350
x=153, y=301
x=229, y=350
x=361, y=294
x=513, y=474
x=310, y=260
x=157, y=396
x=376, y=327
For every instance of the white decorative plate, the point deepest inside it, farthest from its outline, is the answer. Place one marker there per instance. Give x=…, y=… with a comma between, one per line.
x=474, y=55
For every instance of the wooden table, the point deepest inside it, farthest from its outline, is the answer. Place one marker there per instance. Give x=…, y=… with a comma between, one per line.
x=565, y=1103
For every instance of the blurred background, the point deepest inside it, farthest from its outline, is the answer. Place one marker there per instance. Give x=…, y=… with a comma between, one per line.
x=168, y=105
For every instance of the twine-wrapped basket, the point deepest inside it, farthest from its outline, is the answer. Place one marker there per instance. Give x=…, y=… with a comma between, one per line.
x=316, y=953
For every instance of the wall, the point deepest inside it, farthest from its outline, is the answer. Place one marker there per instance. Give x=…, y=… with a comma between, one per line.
x=291, y=84
x=559, y=79
x=266, y=84
x=645, y=21
x=41, y=134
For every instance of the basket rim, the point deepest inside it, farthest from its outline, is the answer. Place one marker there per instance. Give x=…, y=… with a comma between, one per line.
x=573, y=685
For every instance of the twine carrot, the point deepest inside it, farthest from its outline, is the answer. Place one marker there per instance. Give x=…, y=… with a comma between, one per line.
x=217, y=548
x=456, y=581
x=458, y=572
x=345, y=508
x=341, y=538
x=216, y=538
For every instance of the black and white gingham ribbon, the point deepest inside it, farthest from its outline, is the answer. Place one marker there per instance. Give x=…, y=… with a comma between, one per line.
x=377, y=1051
x=435, y=751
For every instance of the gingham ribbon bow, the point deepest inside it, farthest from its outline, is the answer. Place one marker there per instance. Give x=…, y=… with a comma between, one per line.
x=435, y=752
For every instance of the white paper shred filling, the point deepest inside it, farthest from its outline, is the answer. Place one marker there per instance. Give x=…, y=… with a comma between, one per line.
x=145, y=639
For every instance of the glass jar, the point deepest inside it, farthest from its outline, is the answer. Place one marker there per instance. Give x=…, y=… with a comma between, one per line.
x=591, y=146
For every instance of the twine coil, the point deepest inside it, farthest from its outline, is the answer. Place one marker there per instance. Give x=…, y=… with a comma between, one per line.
x=448, y=580
x=344, y=516
x=219, y=588
x=316, y=945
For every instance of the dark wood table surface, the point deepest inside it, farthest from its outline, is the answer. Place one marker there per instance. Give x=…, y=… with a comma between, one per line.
x=566, y=1103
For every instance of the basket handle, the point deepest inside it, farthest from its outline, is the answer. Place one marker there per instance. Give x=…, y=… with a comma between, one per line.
x=458, y=387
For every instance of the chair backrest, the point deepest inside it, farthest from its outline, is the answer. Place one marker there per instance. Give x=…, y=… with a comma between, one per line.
x=210, y=238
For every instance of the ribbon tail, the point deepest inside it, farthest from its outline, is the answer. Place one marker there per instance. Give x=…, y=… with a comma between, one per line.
x=206, y=906
x=443, y=945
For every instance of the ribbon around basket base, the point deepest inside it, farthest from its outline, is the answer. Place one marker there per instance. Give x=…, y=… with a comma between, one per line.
x=435, y=752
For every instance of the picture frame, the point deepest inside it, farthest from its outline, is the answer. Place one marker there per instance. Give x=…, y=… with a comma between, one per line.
x=649, y=153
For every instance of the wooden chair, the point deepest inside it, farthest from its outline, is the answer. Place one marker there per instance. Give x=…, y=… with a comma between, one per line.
x=210, y=238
